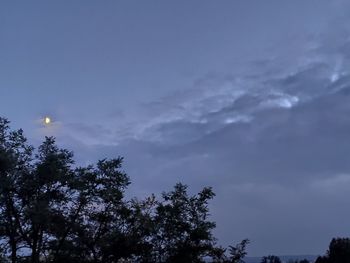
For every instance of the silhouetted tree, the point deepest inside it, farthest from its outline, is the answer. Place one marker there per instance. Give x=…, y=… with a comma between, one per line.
x=339, y=251
x=53, y=211
x=15, y=162
x=183, y=232
x=322, y=259
x=238, y=252
x=271, y=259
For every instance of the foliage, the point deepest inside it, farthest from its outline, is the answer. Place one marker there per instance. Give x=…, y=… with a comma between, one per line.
x=238, y=252
x=271, y=259
x=52, y=210
x=339, y=251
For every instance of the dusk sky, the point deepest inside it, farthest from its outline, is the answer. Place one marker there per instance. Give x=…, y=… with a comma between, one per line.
x=249, y=97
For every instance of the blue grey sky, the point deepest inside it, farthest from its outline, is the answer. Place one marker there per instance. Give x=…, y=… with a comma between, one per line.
x=250, y=97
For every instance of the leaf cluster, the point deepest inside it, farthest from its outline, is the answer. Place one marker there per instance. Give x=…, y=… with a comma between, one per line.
x=52, y=210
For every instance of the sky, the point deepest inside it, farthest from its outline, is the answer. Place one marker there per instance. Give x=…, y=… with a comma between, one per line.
x=249, y=97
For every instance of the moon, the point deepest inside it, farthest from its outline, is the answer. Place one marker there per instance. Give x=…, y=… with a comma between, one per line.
x=47, y=120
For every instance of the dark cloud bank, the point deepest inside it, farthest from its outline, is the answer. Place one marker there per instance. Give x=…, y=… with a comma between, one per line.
x=273, y=142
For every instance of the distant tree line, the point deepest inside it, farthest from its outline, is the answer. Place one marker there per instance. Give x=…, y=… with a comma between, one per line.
x=338, y=252
x=52, y=210
x=275, y=259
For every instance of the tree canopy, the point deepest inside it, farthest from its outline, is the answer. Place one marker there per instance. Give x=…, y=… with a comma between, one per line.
x=338, y=251
x=52, y=210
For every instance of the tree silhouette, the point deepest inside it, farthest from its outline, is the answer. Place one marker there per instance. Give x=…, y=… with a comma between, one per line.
x=338, y=251
x=322, y=259
x=52, y=210
x=183, y=231
x=271, y=259
x=238, y=252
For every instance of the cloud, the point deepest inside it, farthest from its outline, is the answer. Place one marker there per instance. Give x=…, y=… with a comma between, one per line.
x=276, y=154
x=334, y=185
x=273, y=141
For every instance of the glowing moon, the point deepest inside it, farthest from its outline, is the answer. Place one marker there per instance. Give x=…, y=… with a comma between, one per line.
x=47, y=120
